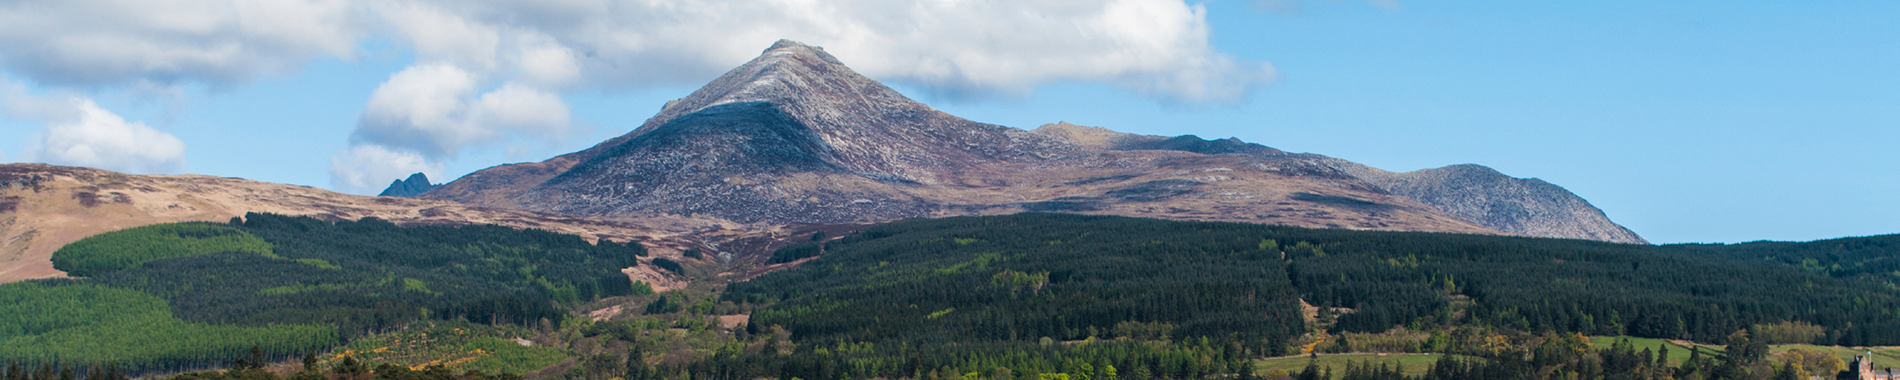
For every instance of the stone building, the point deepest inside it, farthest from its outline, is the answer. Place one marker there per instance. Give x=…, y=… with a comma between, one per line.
x=1862, y=368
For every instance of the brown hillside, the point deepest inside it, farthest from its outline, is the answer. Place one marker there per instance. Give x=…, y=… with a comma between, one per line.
x=43, y=207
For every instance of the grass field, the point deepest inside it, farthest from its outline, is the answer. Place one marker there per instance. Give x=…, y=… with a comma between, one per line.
x=1883, y=356
x=1411, y=364
x=1417, y=364
x=1677, y=352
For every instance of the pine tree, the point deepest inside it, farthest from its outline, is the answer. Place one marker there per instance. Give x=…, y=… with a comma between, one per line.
x=1312, y=369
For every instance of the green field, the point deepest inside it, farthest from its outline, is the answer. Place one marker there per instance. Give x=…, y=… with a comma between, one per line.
x=1417, y=364
x=1677, y=352
x=1883, y=356
x=1411, y=364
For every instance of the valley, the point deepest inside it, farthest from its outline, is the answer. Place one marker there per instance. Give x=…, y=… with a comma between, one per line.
x=1028, y=294
x=793, y=219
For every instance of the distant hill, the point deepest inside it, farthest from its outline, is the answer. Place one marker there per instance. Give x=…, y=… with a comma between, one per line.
x=44, y=207
x=1470, y=192
x=795, y=136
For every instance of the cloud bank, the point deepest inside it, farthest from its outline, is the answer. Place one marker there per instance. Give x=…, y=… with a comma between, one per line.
x=492, y=71
x=79, y=132
x=428, y=113
x=111, y=42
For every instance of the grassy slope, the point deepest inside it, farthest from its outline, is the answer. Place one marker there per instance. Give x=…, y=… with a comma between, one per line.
x=1883, y=356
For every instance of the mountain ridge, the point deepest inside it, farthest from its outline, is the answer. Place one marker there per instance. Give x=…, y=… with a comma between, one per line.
x=795, y=136
x=1472, y=192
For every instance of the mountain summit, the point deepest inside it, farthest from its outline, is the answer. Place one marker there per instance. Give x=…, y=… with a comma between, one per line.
x=795, y=136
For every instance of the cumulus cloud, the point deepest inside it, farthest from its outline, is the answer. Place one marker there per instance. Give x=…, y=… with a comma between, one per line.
x=98, y=138
x=368, y=168
x=1157, y=47
x=433, y=109
x=428, y=113
x=112, y=42
x=488, y=72
x=81, y=133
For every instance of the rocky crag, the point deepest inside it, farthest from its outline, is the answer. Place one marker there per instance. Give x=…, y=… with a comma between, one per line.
x=415, y=185
x=795, y=136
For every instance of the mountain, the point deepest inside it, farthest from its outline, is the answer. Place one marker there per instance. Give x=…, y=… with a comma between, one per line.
x=795, y=136
x=415, y=185
x=1470, y=192
x=1527, y=206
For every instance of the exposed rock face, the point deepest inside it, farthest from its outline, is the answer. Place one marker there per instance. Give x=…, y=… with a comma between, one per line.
x=415, y=185
x=794, y=136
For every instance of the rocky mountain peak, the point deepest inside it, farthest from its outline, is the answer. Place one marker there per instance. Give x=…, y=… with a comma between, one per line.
x=414, y=186
x=791, y=75
x=781, y=120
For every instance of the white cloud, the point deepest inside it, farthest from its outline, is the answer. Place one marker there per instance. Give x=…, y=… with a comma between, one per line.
x=429, y=113
x=368, y=168
x=1158, y=47
x=433, y=110
x=490, y=72
x=80, y=133
x=97, y=138
x=113, y=42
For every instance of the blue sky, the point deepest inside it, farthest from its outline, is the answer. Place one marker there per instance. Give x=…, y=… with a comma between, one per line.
x=1684, y=121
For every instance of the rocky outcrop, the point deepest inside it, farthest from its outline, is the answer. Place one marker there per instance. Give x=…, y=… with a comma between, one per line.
x=415, y=185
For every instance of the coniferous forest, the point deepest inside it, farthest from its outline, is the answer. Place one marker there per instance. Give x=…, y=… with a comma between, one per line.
x=194, y=295
x=1029, y=296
